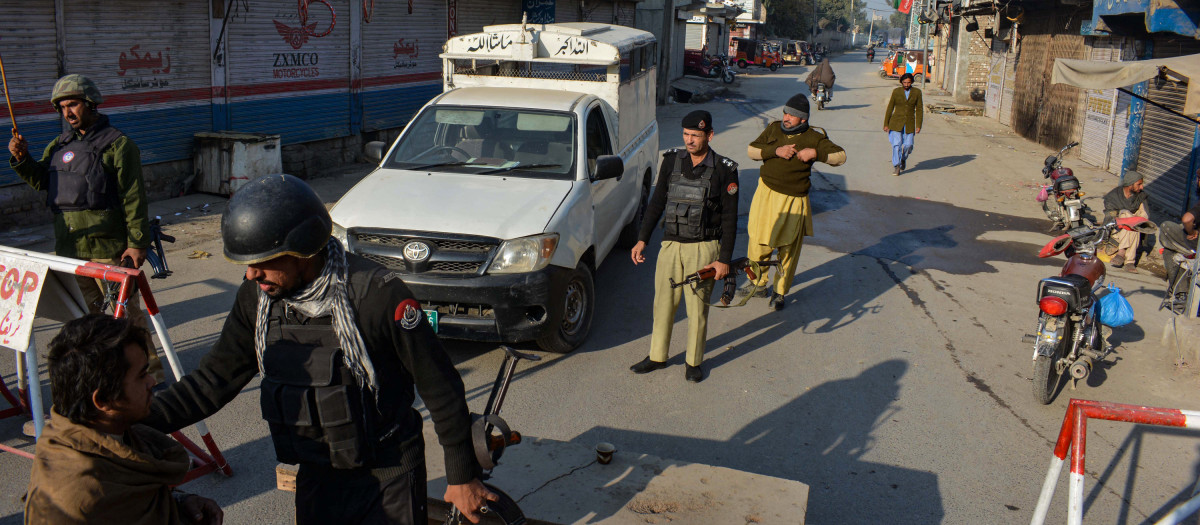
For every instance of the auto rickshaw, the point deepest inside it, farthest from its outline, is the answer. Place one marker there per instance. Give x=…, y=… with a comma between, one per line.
x=909, y=61
x=795, y=52
x=746, y=51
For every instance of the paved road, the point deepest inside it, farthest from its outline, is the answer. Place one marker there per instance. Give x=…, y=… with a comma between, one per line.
x=894, y=383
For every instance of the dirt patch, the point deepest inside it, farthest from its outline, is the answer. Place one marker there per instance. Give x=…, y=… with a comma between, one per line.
x=653, y=506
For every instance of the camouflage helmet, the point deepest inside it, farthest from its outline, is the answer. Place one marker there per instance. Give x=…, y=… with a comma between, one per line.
x=75, y=86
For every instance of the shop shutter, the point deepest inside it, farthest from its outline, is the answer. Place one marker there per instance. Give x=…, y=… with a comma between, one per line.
x=1100, y=109
x=289, y=70
x=474, y=15
x=1116, y=151
x=28, y=48
x=695, y=36
x=1166, y=151
x=566, y=11
x=626, y=13
x=400, y=65
x=153, y=69
x=995, y=83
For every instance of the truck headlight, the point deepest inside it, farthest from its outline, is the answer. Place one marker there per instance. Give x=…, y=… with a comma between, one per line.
x=527, y=254
x=339, y=233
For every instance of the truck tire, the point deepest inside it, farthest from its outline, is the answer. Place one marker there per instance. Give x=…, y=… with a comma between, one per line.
x=629, y=234
x=576, y=321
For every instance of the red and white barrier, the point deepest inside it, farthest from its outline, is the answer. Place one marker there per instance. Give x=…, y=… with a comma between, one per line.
x=1073, y=438
x=131, y=281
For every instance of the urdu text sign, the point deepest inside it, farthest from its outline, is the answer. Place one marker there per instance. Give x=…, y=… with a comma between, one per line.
x=20, y=288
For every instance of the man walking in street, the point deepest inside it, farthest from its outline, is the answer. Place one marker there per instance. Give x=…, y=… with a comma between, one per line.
x=902, y=121
x=780, y=214
x=697, y=191
x=340, y=344
x=1126, y=200
x=94, y=464
x=92, y=175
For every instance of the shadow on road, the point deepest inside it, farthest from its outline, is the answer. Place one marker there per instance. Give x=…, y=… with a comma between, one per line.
x=942, y=162
x=816, y=438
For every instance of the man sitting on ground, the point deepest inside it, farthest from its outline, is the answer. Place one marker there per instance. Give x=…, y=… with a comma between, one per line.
x=1126, y=200
x=93, y=463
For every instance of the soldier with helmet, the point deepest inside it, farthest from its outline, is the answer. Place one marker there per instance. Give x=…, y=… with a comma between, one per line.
x=92, y=176
x=696, y=196
x=340, y=344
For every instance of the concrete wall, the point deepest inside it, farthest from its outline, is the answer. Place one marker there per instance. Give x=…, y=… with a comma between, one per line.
x=973, y=85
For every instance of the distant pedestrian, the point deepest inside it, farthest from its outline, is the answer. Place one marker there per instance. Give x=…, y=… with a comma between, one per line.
x=780, y=215
x=1126, y=200
x=902, y=121
x=697, y=191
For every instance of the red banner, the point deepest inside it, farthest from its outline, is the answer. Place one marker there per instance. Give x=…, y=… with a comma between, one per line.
x=905, y=6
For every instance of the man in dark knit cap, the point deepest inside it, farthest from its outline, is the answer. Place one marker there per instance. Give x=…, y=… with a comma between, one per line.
x=697, y=190
x=780, y=215
x=1126, y=200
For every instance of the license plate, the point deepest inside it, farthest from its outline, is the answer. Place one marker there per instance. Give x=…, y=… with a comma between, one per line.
x=432, y=316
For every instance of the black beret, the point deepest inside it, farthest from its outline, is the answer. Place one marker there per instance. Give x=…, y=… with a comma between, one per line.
x=699, y=119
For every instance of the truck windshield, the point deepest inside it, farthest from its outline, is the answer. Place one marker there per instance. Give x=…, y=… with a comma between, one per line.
x=489, y=141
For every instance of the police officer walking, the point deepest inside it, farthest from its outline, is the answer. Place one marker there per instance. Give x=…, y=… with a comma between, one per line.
x=92, y=176
x=340, y=345
x=696, y=195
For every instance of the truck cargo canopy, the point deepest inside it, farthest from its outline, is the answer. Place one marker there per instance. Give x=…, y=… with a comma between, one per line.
x=572, y=43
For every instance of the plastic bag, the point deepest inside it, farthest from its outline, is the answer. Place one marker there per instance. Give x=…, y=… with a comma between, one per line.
x=1115, y=310
x=1044, y=194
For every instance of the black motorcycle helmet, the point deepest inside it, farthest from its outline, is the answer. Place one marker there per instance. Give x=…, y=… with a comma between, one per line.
x=272, y=216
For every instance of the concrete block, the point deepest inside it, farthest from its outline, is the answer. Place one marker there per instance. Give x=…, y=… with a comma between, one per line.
x=561, y=482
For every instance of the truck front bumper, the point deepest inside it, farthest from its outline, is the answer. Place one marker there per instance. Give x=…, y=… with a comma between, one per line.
x=507, y=308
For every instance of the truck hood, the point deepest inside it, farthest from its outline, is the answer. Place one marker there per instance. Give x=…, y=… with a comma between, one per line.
x=498, y=206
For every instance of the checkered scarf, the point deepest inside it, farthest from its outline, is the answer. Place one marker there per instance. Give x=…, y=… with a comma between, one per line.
x=326, y=294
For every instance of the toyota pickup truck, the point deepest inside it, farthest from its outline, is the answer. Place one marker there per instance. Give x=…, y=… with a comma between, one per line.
x=503, y=195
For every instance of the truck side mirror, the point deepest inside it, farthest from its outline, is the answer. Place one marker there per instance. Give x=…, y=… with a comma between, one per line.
x=374, y=150
x=608, y=167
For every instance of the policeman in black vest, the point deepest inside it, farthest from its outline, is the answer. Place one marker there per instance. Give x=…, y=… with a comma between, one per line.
x=340, y=344
x=697, y=197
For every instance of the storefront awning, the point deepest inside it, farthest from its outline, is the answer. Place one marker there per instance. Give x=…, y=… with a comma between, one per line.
x=1108, y=75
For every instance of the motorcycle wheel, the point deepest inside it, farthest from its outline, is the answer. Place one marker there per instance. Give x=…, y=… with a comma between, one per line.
x=727, y=77
x=821, y=103
x=1046, y=374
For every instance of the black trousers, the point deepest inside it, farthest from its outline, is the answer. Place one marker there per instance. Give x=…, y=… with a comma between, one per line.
x=360, y=496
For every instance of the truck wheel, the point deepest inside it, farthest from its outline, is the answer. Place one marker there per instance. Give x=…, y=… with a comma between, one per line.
x=578, y=299
x=629, y=234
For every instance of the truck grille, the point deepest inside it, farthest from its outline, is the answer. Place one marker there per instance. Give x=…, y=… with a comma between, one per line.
x=448, y=255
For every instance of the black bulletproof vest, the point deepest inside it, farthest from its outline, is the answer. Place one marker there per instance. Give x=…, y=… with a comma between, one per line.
x=77, y=179
x=687, y=212
x=316, y=410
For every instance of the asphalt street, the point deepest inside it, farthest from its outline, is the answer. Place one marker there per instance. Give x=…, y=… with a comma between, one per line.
x=895, y=383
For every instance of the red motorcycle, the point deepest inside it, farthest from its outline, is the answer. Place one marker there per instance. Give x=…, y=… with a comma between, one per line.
x=1069, y=334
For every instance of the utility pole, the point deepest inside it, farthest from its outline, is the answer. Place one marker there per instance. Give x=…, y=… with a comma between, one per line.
x=813, y=33
x=853, y=28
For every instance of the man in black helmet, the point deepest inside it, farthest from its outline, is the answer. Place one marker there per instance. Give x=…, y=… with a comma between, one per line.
x=697, y=190
x=780, y=214
x=92, y=176
x=340, y=345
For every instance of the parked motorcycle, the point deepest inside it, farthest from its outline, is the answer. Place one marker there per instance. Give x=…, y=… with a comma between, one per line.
x=1069, y=335
x=722, y=69
x=821, y=96
x=1062, y=199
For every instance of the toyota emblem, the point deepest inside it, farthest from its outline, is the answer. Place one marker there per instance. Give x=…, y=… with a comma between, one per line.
x=416, y=251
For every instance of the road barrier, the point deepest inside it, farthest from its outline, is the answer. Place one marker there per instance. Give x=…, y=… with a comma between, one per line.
x=1073, y=438
x=57, y=302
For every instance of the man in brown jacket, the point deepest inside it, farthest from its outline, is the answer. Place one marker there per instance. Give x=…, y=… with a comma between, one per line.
x=902, y=120
x=93, y=463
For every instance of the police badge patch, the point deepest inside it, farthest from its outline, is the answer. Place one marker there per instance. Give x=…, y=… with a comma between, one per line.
x=67, y=156
x=731, y=188
x=408, y=314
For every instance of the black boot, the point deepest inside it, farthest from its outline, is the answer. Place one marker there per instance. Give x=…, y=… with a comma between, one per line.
x=646, y=365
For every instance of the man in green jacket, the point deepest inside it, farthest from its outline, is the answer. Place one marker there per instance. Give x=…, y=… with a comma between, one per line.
x=902, y=121
x=92, y=176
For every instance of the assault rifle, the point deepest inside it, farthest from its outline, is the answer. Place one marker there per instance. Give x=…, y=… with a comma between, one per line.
x=742, y=264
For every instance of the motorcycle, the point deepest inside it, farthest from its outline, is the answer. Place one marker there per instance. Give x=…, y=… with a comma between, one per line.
x=1069, y=335
x=821, y=96
x=721, y=66
x=871, y=56
x=1062, y=199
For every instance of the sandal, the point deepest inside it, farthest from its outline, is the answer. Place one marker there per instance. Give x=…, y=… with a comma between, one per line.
x=1118, y=261
x=1131, y=268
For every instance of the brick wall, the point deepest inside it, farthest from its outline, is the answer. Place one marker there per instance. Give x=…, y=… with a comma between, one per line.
x=978, y=61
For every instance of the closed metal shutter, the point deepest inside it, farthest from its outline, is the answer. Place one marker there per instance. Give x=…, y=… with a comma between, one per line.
x=1010, y=81
x=400, y=66
x=1100, y=109
x=695, y=36
x=152, y=70
x=566, y=11
x=599, y=11
x=1166, y=152
x=1116, y=151
x=474, y=15
x=28, y=48
x=626, y=13
x=995, y=85
x=289, y=69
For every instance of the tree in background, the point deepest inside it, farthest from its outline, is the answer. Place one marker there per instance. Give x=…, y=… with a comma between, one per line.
x=788, y=18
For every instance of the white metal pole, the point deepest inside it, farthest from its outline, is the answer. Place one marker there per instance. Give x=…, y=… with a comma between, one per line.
x=35, y=387
x=1043, y=504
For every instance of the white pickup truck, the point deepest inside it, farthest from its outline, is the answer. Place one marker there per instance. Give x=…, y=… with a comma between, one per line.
x=503, y=195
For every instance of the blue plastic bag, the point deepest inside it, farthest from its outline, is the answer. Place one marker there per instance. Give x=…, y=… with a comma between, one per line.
x=1115, y=310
